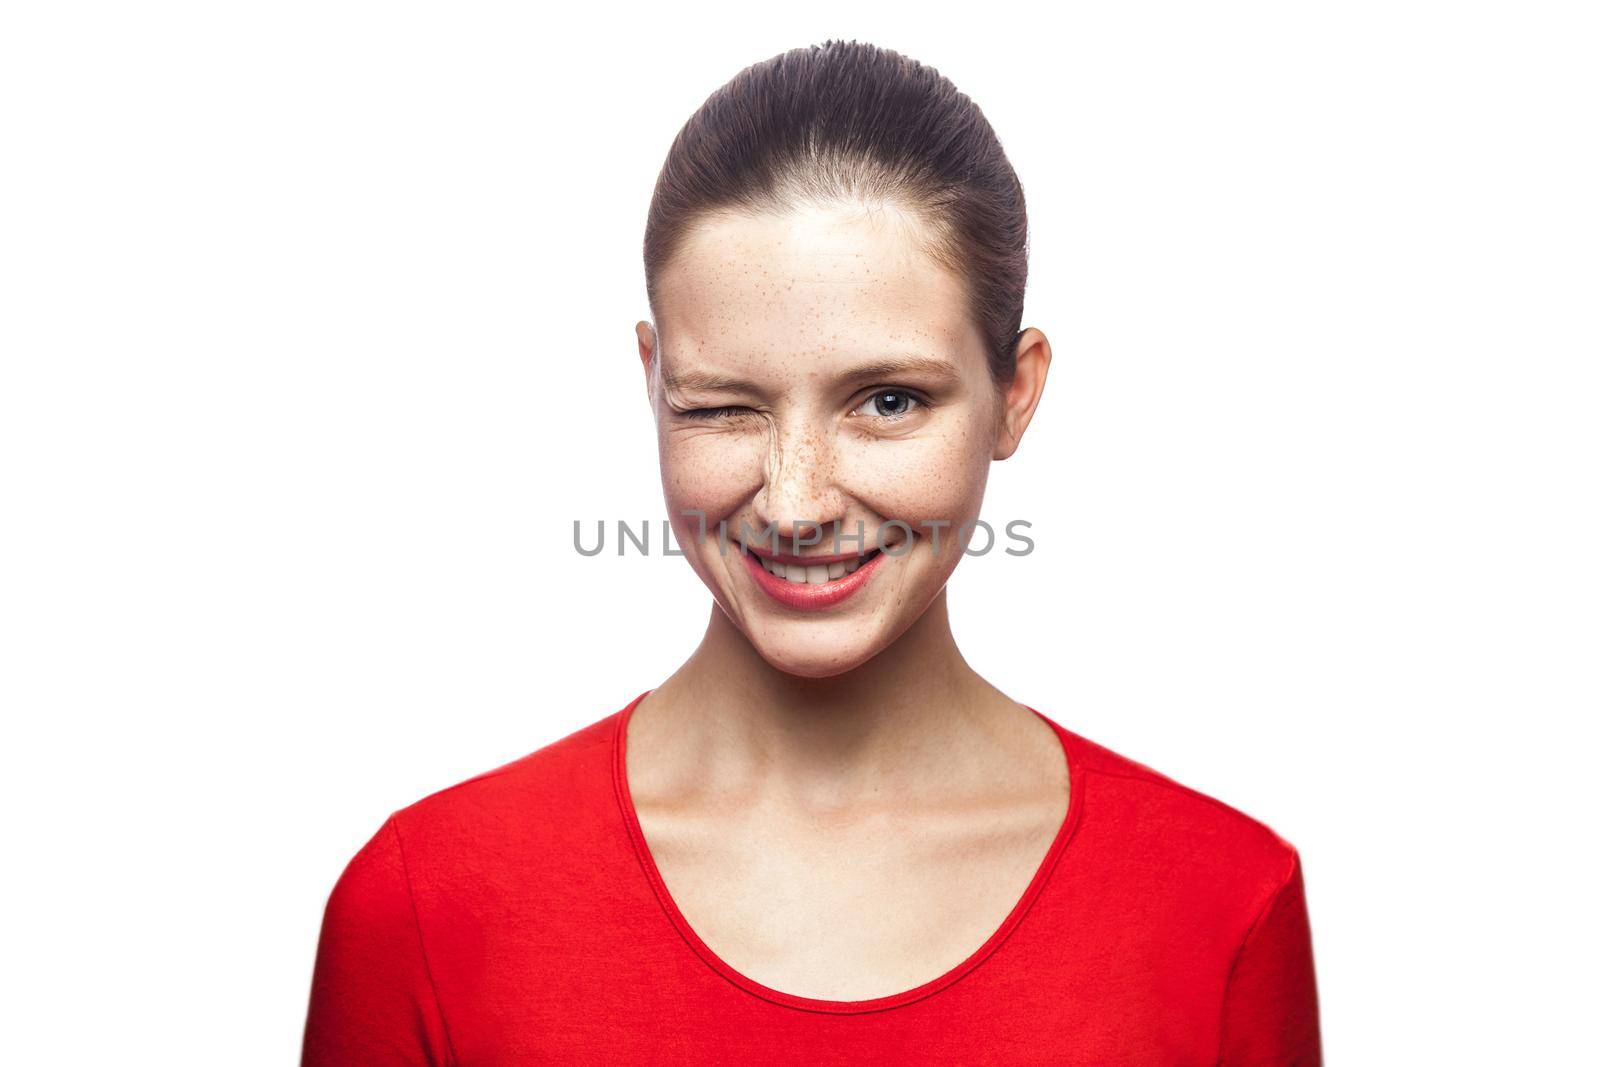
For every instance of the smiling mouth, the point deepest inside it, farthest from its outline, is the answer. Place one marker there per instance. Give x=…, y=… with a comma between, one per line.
x=799, y=584
x=813, y=573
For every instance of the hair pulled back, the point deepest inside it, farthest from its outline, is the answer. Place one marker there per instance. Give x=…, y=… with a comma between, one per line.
x=849, y=121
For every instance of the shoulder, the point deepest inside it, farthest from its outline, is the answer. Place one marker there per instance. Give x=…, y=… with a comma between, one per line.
x=528, y=838
x=561, y=788
x=554, y=767
x=531, y=810
x=1167, y=826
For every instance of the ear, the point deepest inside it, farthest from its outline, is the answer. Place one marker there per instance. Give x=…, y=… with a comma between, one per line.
x=1021, y=397
x=646, y=334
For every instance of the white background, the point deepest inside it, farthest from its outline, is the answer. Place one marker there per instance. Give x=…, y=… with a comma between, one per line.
x=317, y=334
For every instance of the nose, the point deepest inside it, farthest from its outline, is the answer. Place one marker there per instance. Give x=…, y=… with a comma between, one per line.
x=799, y=497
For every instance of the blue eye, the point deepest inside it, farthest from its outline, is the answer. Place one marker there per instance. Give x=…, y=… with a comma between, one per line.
x=888, y=404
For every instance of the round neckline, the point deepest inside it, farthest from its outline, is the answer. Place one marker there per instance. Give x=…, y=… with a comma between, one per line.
x=1041, y=875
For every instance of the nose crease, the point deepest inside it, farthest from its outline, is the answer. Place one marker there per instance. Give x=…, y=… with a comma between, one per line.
x=798, y=487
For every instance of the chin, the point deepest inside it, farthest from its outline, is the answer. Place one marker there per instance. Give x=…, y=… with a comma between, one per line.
x=815, y=663
x=809, y=650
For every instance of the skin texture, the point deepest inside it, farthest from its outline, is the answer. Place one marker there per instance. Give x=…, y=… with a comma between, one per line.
x=840, y=805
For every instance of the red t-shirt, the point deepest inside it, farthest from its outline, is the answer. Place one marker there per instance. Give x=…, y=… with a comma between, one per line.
x=518, y=918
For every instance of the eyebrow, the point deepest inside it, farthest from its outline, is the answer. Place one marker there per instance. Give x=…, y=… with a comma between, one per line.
x=885, y=367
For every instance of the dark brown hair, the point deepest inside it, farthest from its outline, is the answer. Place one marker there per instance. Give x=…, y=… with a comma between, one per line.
x=842, y=121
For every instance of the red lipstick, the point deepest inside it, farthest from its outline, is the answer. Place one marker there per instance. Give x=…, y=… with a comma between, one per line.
x=805, y=596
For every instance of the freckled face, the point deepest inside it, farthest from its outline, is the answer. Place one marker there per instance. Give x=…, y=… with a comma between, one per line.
x=771, y=416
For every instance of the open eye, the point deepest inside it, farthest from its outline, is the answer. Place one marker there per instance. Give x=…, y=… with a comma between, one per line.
x=889, y=404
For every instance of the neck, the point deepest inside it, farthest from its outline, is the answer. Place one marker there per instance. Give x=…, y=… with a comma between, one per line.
x=914, y=705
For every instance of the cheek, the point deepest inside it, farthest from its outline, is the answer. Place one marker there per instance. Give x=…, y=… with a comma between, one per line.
x=932, y=476
x=710, y=472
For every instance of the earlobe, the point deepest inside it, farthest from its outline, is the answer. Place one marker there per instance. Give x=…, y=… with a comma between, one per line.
x=646, y=336
x=1004, y=441
x=1005, y=444
x=1008, y=440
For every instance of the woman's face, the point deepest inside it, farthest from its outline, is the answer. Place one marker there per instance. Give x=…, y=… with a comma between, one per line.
x=825, y=410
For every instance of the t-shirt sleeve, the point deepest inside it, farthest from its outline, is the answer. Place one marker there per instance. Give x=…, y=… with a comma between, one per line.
x=372, y=1000
x=1269, y=1013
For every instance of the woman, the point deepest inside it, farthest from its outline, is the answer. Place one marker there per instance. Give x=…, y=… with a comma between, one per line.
x=825, y=838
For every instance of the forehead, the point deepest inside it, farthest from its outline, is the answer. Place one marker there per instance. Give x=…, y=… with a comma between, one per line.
x=829, y=282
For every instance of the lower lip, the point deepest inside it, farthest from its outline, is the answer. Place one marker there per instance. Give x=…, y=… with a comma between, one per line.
x=805, y=596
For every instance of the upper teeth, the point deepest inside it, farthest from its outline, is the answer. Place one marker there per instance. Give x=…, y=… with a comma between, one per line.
x=814, y=574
